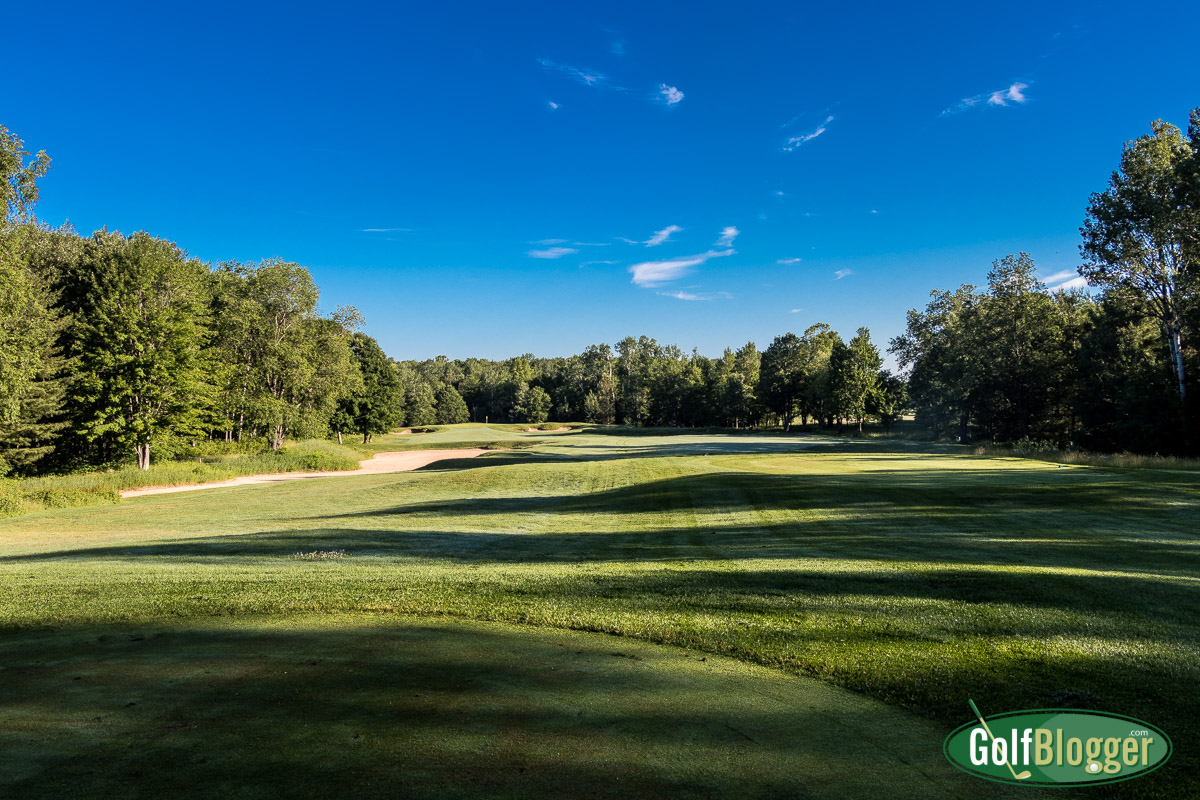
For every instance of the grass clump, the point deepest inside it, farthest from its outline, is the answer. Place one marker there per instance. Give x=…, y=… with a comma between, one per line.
x=319, y=555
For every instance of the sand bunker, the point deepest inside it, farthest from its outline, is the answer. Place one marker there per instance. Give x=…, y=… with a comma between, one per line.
x=381, y=464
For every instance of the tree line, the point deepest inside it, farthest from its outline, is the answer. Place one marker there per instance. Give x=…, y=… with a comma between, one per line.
x=640, y=382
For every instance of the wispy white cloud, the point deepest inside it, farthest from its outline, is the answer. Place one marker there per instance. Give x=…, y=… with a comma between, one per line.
x=690, y=296
x=550, y=241
x=617, y=48
x=1078, y=282
x=553, y=252
x=796, y=141
x=589, y=263
x=670, y=94
x=1058, y=276
x=655, y=273
x=385, y=230
x=660, y=236
x=788, y=260
x=728, y=234
x=795, y=310
x=553, y=105
x=841, y=273
x=779, y=193
x=588, y=77
x=1015, y=93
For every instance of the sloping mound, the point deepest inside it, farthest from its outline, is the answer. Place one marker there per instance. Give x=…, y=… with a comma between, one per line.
x=385, y=706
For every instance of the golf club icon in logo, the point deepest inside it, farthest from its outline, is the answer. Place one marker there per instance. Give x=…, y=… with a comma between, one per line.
x=1020, y=776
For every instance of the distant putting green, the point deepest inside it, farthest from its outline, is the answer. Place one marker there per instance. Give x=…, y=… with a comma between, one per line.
x=914, y=576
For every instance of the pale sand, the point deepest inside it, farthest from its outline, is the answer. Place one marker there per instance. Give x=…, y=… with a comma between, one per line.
x=381, y=464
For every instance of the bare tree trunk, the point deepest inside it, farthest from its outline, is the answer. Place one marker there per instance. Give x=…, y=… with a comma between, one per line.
x=143, y=455
x=1173, y=336
x=339, y=433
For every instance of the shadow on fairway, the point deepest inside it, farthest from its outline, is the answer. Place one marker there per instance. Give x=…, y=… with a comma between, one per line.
x=967, y=515
x=394, y=707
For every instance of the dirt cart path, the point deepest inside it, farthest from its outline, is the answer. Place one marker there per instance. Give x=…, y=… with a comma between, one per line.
x=381, y=464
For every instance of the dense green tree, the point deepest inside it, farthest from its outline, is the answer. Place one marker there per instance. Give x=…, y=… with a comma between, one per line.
x=1014, y=336
x=451, y=409
x=27, y=313
x=781, y=376
x=284, y=369
x=421, y=404
x=935, y=350
x=634, y=372
x=19, y=176
x=532, y=405
x=1140, y=231
x=1126, y=397
x=854, y=370
x=596, y=363
x=32, y=373
x=141, y=371
x=888, y=400
x=816, y=397
x=26, y=323
x=379, y=405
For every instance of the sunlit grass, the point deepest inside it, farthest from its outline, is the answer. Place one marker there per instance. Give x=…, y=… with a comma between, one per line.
x=908, y=573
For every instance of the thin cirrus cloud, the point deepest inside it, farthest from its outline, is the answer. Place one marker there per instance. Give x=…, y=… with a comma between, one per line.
x=795, y=141
x=728, y=234
x=1078, y=282
x=841, y=273
x=1065, y=281
x=660, y=236
x=696, y=297
x=1059, y=276
x=1015, y=93
x=655, y=273
x=670, y=94
x=553, y=252
x=386, y=230
x=788, y=260
x=588, y=77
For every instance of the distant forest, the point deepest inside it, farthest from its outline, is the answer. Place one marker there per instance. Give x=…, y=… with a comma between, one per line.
x=116, y=347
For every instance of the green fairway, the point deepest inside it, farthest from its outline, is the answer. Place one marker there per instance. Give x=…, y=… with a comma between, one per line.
x=910, y=575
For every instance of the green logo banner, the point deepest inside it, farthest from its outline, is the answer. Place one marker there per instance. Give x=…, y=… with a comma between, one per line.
x=1057, y=747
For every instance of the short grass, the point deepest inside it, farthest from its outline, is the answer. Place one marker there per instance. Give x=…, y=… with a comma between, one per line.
x=914, y=575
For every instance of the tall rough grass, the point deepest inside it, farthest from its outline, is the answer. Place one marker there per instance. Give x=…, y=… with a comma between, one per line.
x=1043, y=451
x=94, y=488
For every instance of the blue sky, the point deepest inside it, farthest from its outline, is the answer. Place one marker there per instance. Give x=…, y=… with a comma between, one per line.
x=493, y=179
